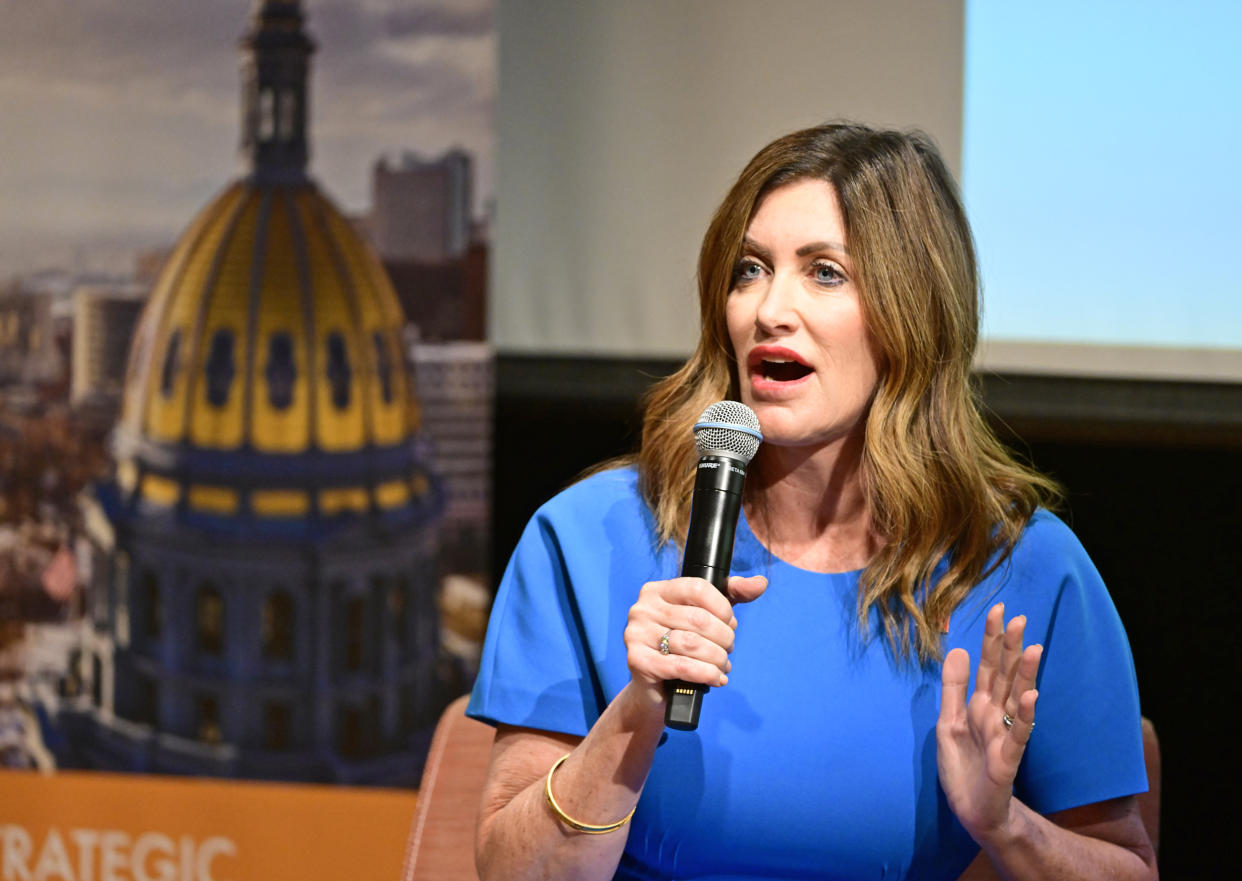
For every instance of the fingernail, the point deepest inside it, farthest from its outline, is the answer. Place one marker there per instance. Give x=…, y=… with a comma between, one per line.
x=733, y=622
x=724, y=680
x=728, y=666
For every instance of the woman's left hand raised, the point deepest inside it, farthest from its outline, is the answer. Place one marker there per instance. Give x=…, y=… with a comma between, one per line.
x=977, y=750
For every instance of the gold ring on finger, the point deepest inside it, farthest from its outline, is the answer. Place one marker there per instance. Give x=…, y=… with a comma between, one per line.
x=664, y=649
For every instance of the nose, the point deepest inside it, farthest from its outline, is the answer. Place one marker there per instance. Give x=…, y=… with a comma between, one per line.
x=777, y=313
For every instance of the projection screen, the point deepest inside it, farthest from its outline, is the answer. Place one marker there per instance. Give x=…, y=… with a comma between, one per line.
x=1095, y=144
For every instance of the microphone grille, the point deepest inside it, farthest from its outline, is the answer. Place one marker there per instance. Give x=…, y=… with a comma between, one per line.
x=728, y=427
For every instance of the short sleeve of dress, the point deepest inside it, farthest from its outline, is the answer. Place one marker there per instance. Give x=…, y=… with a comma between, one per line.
x=1087, y=743
x=533, y=668
x=554, y=653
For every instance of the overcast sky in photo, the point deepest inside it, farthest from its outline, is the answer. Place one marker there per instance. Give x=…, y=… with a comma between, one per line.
x=119, y=119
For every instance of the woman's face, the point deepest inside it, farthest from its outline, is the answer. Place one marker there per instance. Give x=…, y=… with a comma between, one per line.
x=806, y=363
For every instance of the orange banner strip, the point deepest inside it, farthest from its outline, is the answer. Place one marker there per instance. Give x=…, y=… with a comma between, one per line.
x=73, y=826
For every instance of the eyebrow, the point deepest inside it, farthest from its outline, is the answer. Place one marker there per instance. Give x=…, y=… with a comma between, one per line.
x=750, y=244
x=816, y=247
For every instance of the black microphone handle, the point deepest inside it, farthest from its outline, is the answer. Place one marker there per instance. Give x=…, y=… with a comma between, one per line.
x=714, y=510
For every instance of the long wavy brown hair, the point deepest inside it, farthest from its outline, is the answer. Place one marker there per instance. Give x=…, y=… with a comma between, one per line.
x=939, y=484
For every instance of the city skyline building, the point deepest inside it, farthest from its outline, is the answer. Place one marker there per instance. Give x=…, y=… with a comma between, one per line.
x=104, y=318
x=434, y=251
x=456, y=386
x=28, y=354
x=421, y=208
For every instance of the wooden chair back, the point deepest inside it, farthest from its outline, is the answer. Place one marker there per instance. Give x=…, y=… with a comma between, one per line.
x=441, y=842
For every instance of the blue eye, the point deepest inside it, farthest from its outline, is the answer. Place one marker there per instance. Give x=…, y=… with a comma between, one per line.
x=746, y=271
x=828, y=274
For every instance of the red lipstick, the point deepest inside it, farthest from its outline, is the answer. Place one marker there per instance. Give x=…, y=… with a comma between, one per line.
x=773, y=368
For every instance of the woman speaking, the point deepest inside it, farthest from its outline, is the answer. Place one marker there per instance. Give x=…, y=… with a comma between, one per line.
x=915, y=659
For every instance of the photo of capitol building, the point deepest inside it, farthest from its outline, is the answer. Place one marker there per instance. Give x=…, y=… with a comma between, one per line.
x=266, y=555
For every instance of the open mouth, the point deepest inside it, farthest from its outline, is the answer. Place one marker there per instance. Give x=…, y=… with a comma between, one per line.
x=782, y=371
x=773, y=364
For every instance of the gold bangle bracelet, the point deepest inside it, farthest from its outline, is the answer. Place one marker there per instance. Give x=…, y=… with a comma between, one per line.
x=569, y=821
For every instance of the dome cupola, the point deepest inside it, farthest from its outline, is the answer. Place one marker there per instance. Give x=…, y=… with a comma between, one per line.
x=267, y=386
x=275, y=65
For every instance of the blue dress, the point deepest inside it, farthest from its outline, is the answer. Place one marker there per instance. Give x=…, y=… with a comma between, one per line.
x=818, y=759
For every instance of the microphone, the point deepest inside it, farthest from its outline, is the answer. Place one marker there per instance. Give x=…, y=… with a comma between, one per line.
x=727, y=437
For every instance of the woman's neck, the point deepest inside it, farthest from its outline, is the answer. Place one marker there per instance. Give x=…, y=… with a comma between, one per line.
x=809, y=506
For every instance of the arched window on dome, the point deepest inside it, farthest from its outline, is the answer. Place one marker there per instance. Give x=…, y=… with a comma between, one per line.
x=267, y=114
x=277, y=726
x=383, y=366
x=399, y=613
x=281, y=372
x=97, y=683
x=147, y=701
x=277, y=626
x=209, y=607
x=355, y=633
x=220, y=367
x=207, y=711
x=407, y=711
x=358, y=728
x=73, y=679
x=285, y=124
x=357, y=624
x=338, y=371
x=172, y=359
x=152, y=609
x=120, y=595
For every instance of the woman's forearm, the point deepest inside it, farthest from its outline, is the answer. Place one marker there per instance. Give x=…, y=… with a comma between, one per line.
x=598, y=783
x=1031, y=847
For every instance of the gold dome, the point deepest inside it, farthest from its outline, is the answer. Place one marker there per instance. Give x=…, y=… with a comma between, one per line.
x=267, y=375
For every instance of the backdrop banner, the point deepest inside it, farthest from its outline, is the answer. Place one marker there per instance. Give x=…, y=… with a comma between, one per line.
x=74, y=826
